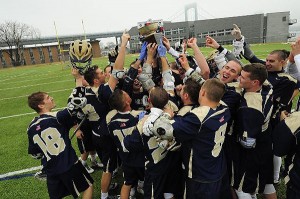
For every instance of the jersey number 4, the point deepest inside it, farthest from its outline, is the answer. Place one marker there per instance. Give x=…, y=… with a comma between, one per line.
x=50, y=142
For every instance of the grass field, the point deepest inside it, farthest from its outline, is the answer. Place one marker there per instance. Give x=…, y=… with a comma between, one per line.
x=15, y=85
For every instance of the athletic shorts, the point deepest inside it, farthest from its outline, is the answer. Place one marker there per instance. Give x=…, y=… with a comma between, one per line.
x=255, y=169
x=291, y=192
x=154, y=186
x=133, y=174
x=72, y=182
x=213, y=190
x=107, y=152
x=86, y=143
x=175, y=179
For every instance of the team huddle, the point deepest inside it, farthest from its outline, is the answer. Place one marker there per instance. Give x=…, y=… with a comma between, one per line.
x=207, y=128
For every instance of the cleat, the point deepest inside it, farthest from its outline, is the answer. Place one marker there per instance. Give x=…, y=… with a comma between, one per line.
x=96, y=165
x=140, y=190
x=40, y=175
x=88, y=169
x=113, y=197
x=113, y=186
x=115, y=173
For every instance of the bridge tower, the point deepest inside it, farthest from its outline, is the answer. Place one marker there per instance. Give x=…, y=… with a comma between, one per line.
x=192, y=6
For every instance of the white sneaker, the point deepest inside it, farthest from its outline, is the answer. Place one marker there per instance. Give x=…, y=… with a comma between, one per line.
x=96, y=165
x=88, y=168
x=140, y=190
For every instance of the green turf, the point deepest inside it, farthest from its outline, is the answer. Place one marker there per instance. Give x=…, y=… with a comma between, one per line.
x=16, y=84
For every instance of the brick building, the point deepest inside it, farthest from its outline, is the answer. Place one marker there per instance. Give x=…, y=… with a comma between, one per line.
x=40, y=54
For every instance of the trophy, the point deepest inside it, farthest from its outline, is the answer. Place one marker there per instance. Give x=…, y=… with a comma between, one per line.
x=151, y=31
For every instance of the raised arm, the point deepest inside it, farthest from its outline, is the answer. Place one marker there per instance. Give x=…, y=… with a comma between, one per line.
x=201, y=61
x=146, y=77
x=117, y=72
x=168, y=79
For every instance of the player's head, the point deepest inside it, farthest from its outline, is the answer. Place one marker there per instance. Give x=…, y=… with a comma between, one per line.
x=158, y=97
x=213, y=90
x=80, y=54
x=253, y=76
x=120, y=100
x=230, y=72
x=94, y=76
x=276, y=60
x=40, y=101
x=190, y=90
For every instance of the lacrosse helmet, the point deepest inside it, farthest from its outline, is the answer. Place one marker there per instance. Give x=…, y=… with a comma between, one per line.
x=80, y=51
x=80, y=55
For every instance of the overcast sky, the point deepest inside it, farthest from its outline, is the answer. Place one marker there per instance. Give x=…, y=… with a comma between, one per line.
x=115, y=15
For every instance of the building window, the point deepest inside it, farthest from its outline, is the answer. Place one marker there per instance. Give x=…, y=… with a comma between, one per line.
x=2, y=59
x=167, y=32
x=59, y=54
x=22, y=57
x=212, y=33
x=42, y=57
x=181, y=30
x=31, y=56
x=284, y=18
x=50, y=54
x=175, y=32
x=204, y=34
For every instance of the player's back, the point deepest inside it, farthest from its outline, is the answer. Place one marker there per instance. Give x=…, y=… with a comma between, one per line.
x=49, y=134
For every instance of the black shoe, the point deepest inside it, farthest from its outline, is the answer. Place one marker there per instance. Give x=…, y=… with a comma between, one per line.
x=113, y=186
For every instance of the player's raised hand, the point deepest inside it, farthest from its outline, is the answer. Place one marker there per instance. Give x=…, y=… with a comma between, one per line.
x=125, y=38
x=236, y=32
x=211, y=42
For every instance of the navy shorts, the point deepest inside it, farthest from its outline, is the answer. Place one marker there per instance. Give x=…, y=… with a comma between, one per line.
x=175, y=179
x=255, y=168
x=86, y=143
x=154, y=186
x=72, y=182
x=292, y=192
x=133, y=174
x=214, y=190
x=107, y=152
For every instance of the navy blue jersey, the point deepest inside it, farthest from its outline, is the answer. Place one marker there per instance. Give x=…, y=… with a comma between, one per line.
x=232, y=99
x=286, y=142
x=186, y=148
x=203, y=131
x=283, y=88
x=157, y=158
x=122, y=126
x=97, y=108
x=252, y=123
x=139, y=100
x=254, y=114
x=49, y=134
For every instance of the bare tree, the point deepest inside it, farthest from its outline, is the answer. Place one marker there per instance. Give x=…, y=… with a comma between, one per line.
x=12, y=34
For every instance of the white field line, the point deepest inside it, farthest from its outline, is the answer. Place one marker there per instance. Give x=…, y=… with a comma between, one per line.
x=3, y=89
x=25, y=75
x=18, y=115
x=28, y=80
x=8, y=98
x=15, y=76
x=20, y=172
